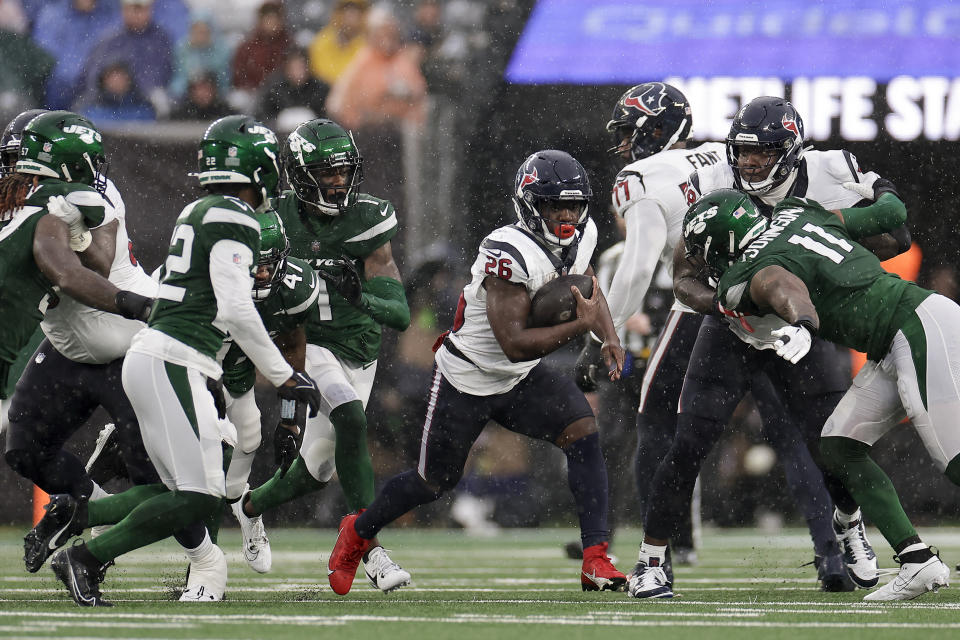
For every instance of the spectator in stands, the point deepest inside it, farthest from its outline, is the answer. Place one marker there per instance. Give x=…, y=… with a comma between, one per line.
x=23, y=74
x=173, y=16
x=336, y=44
x=145, y=48
x=203, y=100
x=201, y=51
x=290, y=87
x=427, y=31
x=12, y=16
x=68, y=31
x=382, y=85
x=116, y=97
x=263, y=50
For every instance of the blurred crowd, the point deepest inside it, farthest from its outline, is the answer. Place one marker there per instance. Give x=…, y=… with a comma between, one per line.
x=361, y=63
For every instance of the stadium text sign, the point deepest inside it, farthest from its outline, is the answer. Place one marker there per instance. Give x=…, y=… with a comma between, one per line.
x=855, y=108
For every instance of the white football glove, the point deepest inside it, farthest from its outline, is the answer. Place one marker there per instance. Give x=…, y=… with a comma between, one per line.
x=792, y=343
x=864, y=188
x=80, y=237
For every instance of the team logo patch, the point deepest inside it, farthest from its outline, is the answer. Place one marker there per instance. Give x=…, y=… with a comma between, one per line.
x=790, y=125
x=651, y=101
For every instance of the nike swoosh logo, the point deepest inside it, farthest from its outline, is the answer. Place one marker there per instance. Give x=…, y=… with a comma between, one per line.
x=385, y=210
x=494, y=252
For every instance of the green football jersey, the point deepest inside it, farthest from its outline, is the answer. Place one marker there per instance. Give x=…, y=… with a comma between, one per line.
x=291, y=303
x=860, y=305
x=364, y=227
x=25, y=293
x=186, y=305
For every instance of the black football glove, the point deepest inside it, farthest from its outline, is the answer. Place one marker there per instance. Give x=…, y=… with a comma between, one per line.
x=133, y=305
x=215, y=387
x=589, y=364
x=882, y=186
x=286, y=446
x=303, y=390
x=342, y=275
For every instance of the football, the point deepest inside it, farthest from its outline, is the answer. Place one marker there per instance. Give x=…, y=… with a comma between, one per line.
x=554, y=303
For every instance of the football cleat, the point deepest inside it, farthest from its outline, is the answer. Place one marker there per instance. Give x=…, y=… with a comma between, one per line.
x=649, y=582
x=256, y=545
x=914, y=579
x=346, y=556
x=206, y=581
x=65, y=517
x=598, y=572
x=81, y=579
x=858, y=555
x=106, y=461
x=832, y=573
x=384, y=573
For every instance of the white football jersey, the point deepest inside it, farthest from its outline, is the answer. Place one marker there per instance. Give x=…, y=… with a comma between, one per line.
x=514, y=254
x=85, y=334
x=820, y=177
x=661, y=179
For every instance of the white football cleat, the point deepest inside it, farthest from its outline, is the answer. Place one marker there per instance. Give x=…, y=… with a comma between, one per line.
x=858, y=555
x=256, y=545
x=914, y=579
x=207, y=581
x=648, y=582
x=384, y=573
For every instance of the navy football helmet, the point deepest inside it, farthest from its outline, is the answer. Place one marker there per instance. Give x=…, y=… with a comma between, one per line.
x=552, y=178
x=770, y=126
x=653, y=116
x=10, y=141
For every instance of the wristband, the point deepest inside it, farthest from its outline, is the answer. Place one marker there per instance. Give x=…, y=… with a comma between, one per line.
x=807, y=323
x=288, y=410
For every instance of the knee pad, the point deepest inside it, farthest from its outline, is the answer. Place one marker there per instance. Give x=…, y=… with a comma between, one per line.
x=320, y=458
x=23, y=462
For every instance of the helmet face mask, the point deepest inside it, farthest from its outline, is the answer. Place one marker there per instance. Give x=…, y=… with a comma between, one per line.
x=239, y=150
x=718, y=227
x=63, y=145
x=649, y=118
x=272, y=261
x=765, y=144
x=323, y=166
x=551, y=196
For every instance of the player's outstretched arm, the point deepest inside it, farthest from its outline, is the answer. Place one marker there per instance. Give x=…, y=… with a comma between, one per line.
x=645, y=239
x=508, y=307
x=777, y=290
x=688, y=287
x=383, y=296
x=52, y=253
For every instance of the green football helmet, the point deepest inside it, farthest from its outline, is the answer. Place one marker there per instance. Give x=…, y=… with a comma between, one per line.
x=323, y=165
x=63, y=145
x=718, y=227
x=240, y=150
x=274, y=249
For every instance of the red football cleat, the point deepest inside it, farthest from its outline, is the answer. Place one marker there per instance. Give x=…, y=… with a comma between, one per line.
x=598, y=573
x=346, y=556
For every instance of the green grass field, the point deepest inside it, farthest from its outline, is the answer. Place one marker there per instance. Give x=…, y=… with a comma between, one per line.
x=514, y=585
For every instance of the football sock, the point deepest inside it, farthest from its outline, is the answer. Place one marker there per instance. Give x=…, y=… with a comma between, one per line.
x=61, y=472
x=587, y=477
x=202, y=551
x=805, y=481
x=400, y=494
x=113, y=509
x=191, y=535
x=913, y=551
x=212, y=522
x=154, y=519
x=652, y=555
x=846, y=519
x=282, y=489
x=850, y=461
x=354, y=467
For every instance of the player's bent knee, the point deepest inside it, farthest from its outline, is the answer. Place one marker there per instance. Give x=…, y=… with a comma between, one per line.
x=576, y=430
x=836, y=452
x=320, y=458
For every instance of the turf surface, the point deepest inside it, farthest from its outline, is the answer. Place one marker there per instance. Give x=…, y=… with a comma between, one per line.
x=517, y=584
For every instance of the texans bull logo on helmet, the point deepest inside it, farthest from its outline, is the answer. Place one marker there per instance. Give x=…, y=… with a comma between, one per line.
x=528, y=178
x=790, y=125
x=651, y=101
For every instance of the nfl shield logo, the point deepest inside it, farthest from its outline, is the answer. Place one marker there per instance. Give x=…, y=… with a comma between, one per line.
x=315, y=246
x=237, y=259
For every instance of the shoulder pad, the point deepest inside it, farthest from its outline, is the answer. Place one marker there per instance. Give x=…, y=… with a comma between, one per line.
x=374, y=223
x=301, y=286
x=840, y=164
x=505, y=252
x=627, y=188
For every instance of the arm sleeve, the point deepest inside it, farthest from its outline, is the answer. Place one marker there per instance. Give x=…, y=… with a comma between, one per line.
x=232, y=284
x=646, y=237
x=884, y=215
x=384, y=300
